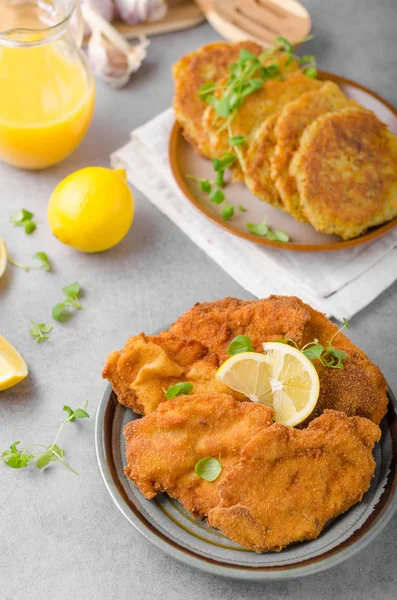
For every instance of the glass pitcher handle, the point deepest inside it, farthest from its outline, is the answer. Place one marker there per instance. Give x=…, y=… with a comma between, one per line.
x=79, y=31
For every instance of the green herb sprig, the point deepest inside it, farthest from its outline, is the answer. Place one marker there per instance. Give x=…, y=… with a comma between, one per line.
x=263, y=230
x=208, y=468
x=72, y=300
x=24, y=218
x=183, y=387
x=18, y=459
x=328, y=355
x=247, y=75
x=45, y=264
x=40, y=331
x=241, y=343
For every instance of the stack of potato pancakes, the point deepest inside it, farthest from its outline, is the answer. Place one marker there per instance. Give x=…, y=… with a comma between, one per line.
x=308, y=149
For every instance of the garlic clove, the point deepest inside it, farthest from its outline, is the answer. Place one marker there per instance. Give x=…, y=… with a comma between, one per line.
x=134, y=12
x=111, y=56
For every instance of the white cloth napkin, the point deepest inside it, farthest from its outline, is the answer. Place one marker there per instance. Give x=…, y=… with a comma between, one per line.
x=337, y=283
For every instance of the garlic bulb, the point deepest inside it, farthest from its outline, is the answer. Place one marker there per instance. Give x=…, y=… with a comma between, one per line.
x=111, y=56
x=134, y=12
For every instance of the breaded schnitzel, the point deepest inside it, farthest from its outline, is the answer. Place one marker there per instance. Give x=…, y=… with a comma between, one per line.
x=358, y=389
x=294, y=117
x=209, y=63
x=346, y=172
x=148, y=365
x=290, y=482
x=164, y=447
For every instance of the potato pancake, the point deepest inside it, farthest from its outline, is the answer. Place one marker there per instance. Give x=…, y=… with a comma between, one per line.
x=209, y=63
x=252, y=121
x=294, y=117
x=346, y=172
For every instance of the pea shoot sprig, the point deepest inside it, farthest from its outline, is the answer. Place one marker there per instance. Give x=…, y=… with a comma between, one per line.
x=40, y=331
x=263, y=230
x=328, y=355
x=72, y=292
x=17, y=458
x=44, y=263
x=24, y=218
x=247, y=75
x=213, y=188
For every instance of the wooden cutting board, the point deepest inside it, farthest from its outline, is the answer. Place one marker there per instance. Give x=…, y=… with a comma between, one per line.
x=181, y=14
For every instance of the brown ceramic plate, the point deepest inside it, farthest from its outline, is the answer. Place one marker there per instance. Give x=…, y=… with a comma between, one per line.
x=165, y=523
x=303, y=237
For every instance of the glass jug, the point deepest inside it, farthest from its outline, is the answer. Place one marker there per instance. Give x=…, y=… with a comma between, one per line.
x=47, y=90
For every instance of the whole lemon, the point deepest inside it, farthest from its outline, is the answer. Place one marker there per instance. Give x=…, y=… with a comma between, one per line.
x=91, y=209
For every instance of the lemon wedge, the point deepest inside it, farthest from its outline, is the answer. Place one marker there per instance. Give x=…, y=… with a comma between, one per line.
x=282, y=378
x=3, y=256
x=13, y=368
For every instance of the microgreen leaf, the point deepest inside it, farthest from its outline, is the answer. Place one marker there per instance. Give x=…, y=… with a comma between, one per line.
x=208, y=468
x=242, y=208
x=219, y=178
x=285, y=44
x=72, y=290
x=16, y=459
x=39, y=331
x=314, y=352
x=258, y=228
x=205, y=185
x=43, y=460
x=44, y=261
x=216, y=196
x=281, y=236
x=207, y=89
x=226, y=161
x=311, y=72
x=237, y=140
x=227, y=212
x=68, y=410
x=57, y=312
x=241, y=343
x=79, y=413
x=24, y=218
x=246, y=55
x=30, y=226
x=223, y=107
x=183, y=387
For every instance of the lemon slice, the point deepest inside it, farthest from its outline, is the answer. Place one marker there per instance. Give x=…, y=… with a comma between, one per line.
x=3, y=256
x=282, y=378
x=13, y=368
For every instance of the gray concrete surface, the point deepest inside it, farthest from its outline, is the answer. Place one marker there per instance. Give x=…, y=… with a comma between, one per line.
x=61, y=538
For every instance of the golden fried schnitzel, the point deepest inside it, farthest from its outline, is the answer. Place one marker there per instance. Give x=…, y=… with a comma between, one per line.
x=358, y=389
x=148, y=365
x=290, y=482
x=346, y=172
x=294, y=117
x=209, y=63
x=164, y=447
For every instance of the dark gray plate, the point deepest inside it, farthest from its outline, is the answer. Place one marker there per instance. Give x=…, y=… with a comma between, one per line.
x=164, y=522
